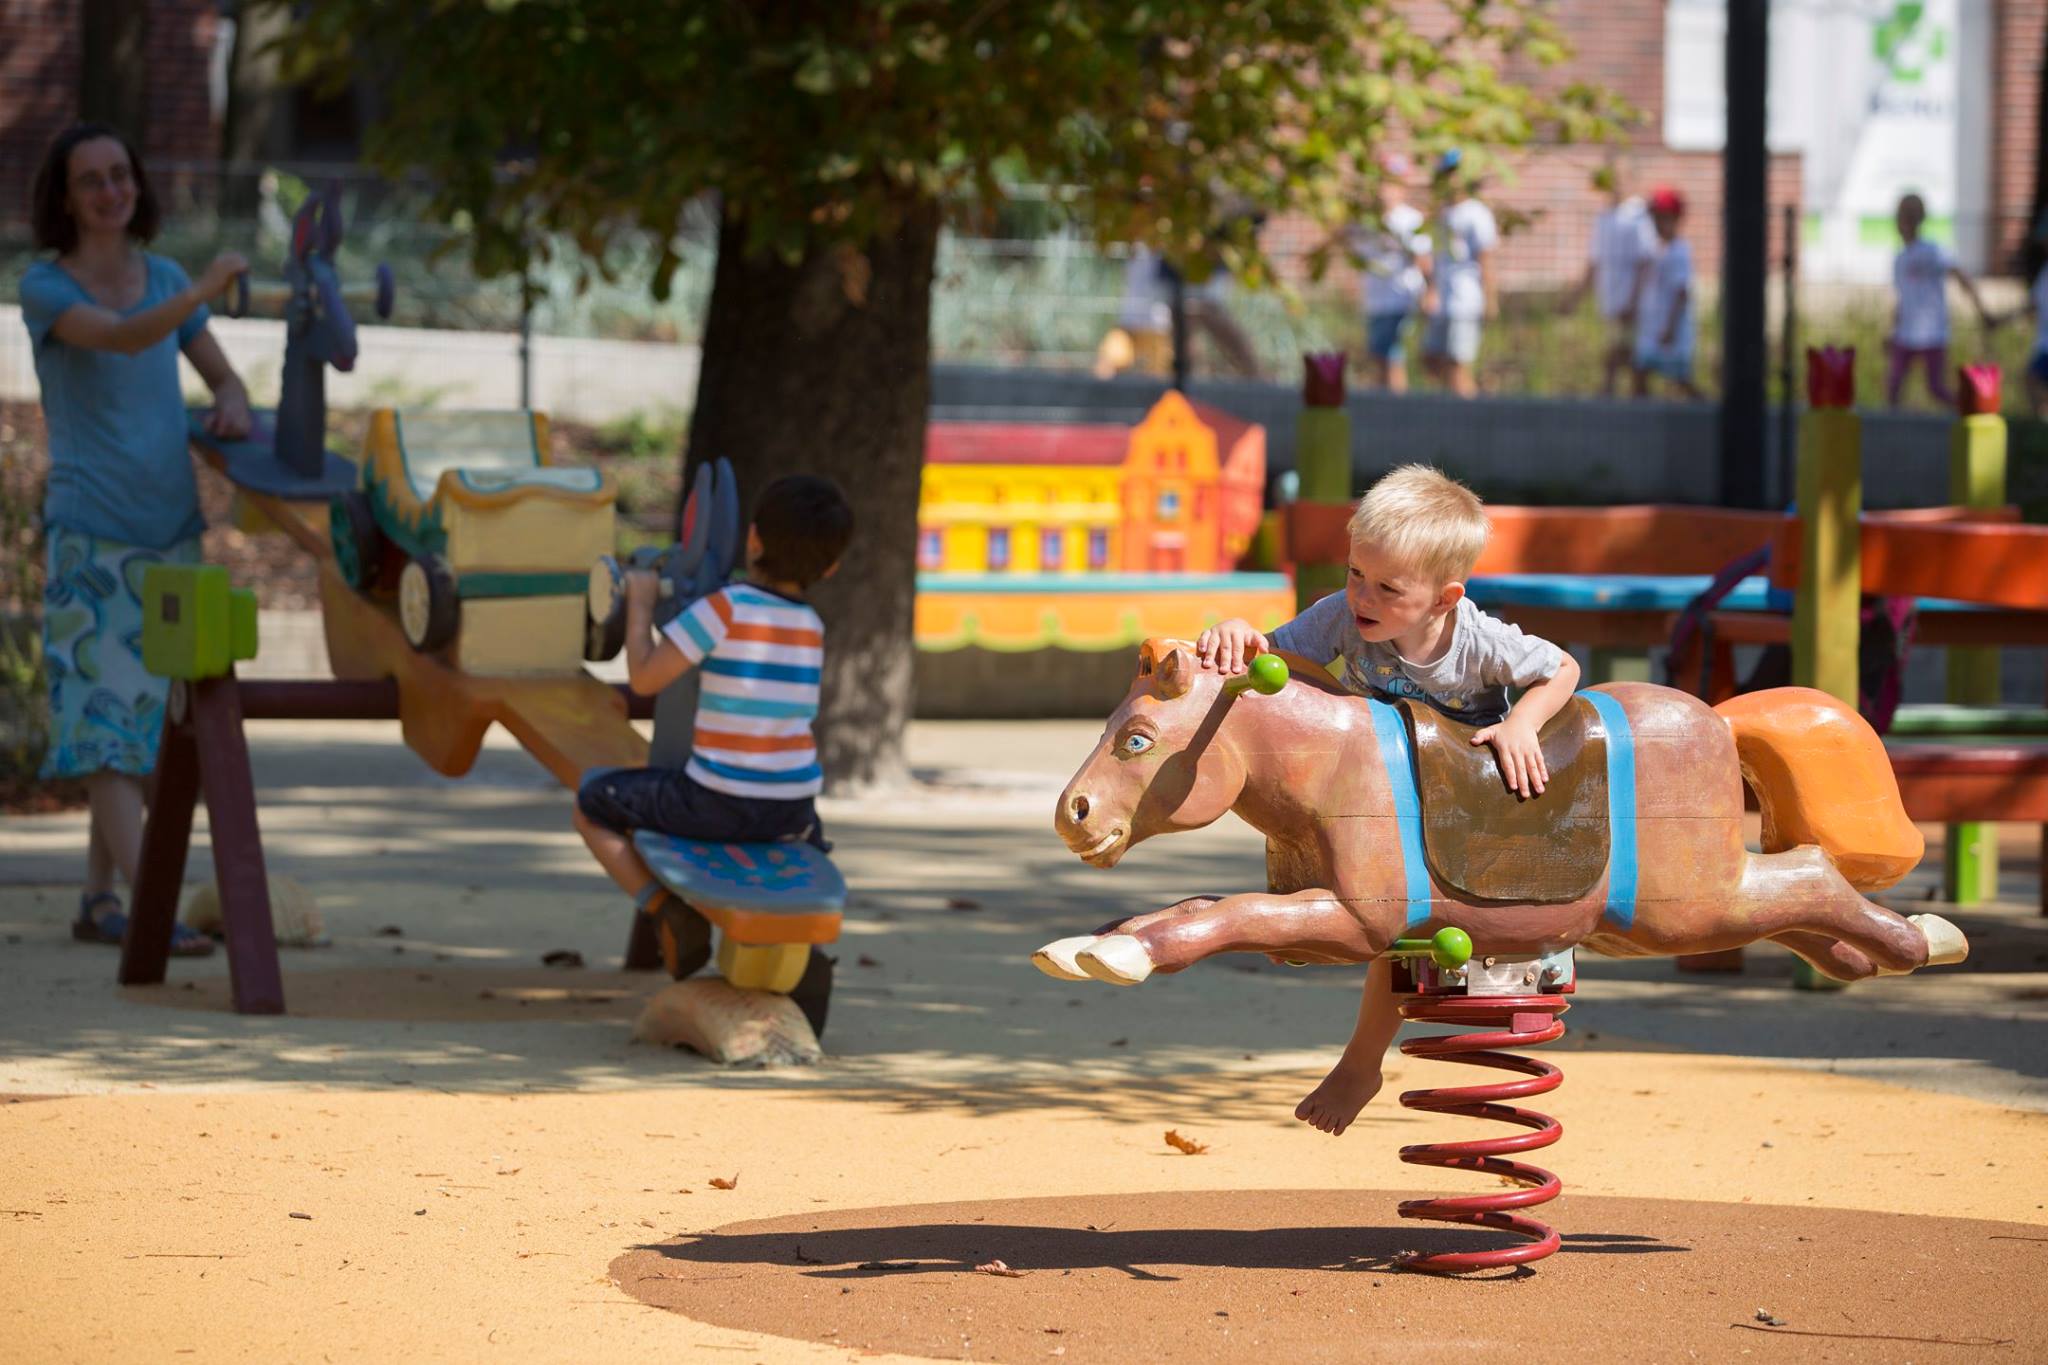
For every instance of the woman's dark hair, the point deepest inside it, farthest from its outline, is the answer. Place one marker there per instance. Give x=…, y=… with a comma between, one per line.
x=805, y=524
x=50, y=216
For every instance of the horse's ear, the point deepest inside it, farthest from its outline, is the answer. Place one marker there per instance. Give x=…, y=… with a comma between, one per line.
x=1172, y=662
x=1176, y=673
x=302, y=229
x=331, y=224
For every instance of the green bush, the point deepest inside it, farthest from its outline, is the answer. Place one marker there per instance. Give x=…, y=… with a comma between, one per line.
x=24, y=718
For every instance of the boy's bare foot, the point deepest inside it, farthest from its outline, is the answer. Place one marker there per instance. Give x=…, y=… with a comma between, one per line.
x=1332, y=1105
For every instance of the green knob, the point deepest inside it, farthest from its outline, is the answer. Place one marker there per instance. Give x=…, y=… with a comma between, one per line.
x=1268, y=675
x=1450, y=948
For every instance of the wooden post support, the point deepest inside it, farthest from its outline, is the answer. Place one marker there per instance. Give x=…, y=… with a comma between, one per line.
x=203, y=748
x=166, y=838
x=1827, y=612
x=1976, y=478
x=1322, y=458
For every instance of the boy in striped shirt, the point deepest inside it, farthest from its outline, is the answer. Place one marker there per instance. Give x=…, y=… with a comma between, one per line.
x=753, y=767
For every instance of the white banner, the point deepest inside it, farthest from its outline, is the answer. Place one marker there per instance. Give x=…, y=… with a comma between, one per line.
x=1871, y=94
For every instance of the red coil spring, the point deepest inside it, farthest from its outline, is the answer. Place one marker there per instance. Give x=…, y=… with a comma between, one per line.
x=1519, y=1021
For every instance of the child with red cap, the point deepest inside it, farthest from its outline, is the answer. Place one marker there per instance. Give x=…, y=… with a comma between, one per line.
x=1664, y=311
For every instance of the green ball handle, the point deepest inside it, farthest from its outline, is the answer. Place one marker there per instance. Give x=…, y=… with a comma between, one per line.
x=1450, y=947
x=1267, y=675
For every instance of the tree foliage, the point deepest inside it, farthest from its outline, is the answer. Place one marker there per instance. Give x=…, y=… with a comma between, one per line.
x=822, y=123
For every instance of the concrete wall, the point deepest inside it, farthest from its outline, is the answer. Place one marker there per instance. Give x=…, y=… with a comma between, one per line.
x=1553, y=450
x=577, y=379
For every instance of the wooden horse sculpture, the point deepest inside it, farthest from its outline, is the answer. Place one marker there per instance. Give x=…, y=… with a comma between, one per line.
x=1372, y=834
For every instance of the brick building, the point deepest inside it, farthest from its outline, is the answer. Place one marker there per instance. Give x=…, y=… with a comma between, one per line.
x=43, y=67
x=1997, y=46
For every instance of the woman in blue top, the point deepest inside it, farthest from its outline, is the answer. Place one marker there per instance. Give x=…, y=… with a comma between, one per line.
x=106, y=320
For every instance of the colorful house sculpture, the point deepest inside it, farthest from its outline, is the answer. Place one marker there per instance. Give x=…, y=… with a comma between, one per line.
x=1071, y=539
x=1178, y=493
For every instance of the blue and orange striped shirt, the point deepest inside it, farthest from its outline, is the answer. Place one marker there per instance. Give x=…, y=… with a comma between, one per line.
x=760, y=654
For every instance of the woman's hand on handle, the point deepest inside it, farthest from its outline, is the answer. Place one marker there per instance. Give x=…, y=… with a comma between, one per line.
x=220, y=272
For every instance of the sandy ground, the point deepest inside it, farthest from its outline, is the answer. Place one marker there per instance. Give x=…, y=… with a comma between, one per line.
x=489, y=1168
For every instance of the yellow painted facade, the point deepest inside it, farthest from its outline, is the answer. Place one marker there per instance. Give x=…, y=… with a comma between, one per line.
x=1020, y=518
x=1180, y=492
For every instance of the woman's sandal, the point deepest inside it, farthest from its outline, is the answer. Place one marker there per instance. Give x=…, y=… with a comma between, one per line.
x=112, y=926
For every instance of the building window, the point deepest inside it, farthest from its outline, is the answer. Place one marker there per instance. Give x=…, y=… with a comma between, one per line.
x=998, y=548
x=1169, y=504
x=1098, y=549
x=931, y=549
x=1052, y=548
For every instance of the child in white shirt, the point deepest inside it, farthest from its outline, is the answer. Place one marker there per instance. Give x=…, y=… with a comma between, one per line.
x=1920, y=275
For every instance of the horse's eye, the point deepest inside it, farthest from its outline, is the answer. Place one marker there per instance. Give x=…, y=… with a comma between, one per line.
x=1134, y=745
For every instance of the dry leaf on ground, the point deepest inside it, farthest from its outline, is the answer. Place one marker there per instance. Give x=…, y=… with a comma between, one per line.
x=721, y=1183
x=998, y=1268
x=1185, y=1145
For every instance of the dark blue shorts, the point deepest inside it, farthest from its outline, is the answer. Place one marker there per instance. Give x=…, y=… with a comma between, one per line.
x=2037, y=366
x=667, y=800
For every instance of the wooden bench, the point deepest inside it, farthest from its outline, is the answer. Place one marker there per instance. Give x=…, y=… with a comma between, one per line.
x=1957, y=781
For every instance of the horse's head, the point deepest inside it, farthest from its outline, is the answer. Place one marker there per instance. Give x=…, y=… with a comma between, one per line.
x=317, y=321
x=1160, y=765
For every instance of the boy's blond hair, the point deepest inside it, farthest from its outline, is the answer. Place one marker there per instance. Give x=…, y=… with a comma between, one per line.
x=1425, y=521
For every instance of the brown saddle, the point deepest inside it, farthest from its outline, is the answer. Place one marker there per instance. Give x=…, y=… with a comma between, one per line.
x=1490, y=844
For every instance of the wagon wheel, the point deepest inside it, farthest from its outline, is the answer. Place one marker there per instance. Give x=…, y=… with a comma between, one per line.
x=428, y=609
x=604, y=612
x=358, y=543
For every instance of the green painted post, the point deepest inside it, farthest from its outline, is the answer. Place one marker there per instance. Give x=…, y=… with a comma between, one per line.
x=1976, y=478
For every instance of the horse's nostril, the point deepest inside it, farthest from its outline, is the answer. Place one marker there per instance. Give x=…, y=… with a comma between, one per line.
x=1078, y=807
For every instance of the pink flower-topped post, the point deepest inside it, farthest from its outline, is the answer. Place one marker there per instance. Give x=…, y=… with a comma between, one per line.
x=1977, y=390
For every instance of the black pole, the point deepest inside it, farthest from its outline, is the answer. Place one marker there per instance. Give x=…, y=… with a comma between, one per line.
x=1788, y=361
x=1744, y=211
x=1177, y=292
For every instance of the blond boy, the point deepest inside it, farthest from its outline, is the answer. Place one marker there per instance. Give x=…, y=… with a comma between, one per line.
x=1404, y=628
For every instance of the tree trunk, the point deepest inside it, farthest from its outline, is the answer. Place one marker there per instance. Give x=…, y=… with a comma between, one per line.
x=824, y=368
x=113, y=75
x=257, y=126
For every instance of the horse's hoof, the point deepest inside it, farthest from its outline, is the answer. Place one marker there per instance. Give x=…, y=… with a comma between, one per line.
x=1945, y=942
x=1056, y=959
x=1119, y=959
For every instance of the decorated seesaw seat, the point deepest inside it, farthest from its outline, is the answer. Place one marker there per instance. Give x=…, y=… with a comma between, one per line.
x=488, y=545
x=440, y=470
x=770, y=902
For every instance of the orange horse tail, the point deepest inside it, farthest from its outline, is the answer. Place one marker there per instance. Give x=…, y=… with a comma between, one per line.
x=1821, y=776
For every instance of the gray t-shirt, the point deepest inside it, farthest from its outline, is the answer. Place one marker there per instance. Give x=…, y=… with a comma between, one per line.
x=1469, y=683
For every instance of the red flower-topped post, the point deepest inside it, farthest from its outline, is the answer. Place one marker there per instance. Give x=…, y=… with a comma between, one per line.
x=1322, y=380
x=1826, y=625
x=1976, y=478
x=1977, y=390
x=1831, y=376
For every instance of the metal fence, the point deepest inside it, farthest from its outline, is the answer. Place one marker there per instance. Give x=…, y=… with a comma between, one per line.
x=1031, y=295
